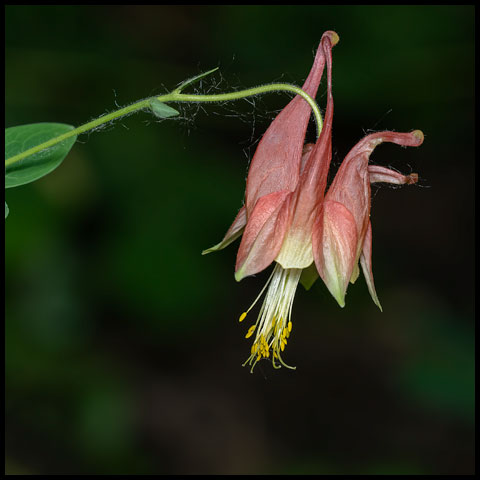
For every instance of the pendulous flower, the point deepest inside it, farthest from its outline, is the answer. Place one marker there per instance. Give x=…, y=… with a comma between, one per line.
x=342, y=236
x=284, y=219
x=284, y=193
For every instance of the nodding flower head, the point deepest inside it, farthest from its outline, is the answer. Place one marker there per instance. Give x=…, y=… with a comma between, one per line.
x=285, y=187
x=342, y=236
x=283, y=220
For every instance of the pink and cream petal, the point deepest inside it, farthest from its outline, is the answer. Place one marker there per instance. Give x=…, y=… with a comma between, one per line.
x=334, y=247
x=366, y=262
x=296, y=251
x=263, y=235
x=277, y=161
x=233, y=232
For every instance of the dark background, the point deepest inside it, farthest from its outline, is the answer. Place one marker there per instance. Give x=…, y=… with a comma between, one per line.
x=123, y=349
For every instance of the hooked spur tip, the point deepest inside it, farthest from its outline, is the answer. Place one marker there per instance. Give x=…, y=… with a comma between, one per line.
x=418, y=134
x=334, y=38
x=412, y=178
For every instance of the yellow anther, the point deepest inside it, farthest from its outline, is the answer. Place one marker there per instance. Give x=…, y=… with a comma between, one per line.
x=282, y=346
x=290, y=326
x=242, y=316
x=250, y=331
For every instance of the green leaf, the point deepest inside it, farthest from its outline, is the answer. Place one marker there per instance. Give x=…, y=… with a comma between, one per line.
x=6, y=210
x=21, y=138
x=161, y=110
x=195, y=79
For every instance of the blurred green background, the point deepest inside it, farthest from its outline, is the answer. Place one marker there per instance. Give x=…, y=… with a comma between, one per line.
x=123, y=349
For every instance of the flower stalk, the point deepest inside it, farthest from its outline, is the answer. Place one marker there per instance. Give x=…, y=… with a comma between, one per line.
x=175, y=96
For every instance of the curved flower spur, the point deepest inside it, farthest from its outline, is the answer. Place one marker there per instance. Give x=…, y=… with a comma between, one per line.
x=284, y=220
x=342, y=235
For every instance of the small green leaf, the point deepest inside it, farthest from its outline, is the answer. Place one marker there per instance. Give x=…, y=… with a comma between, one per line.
x=6, y=210
x=161, y=110
x=21, y=138
x=195, y=79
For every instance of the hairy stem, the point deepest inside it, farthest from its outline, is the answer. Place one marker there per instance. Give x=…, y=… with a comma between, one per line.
x=175, y=96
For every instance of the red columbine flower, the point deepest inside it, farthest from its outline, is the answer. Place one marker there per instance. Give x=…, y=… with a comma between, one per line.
x=343, y=233
x=284, y=193
x=283, y=204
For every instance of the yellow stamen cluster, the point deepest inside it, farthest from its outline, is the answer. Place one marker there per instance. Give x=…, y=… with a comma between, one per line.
x=285, y=334
x=261, y=348
x=273, y=324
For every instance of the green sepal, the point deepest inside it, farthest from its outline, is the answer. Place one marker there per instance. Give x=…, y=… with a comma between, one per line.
x=224, y=243
x=161, y=110
x=309, y=276
x=355, y=274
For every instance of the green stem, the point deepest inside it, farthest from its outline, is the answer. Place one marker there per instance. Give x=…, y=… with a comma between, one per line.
x=77, y=131
x=175, y=96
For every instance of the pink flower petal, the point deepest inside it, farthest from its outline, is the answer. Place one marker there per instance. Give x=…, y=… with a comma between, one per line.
x=297, y=251
x=367, y=144
x=366, y=262
x=276, y=163
x=381, y=174
x=264, y=233
x=334, y=248
x=233, y=232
